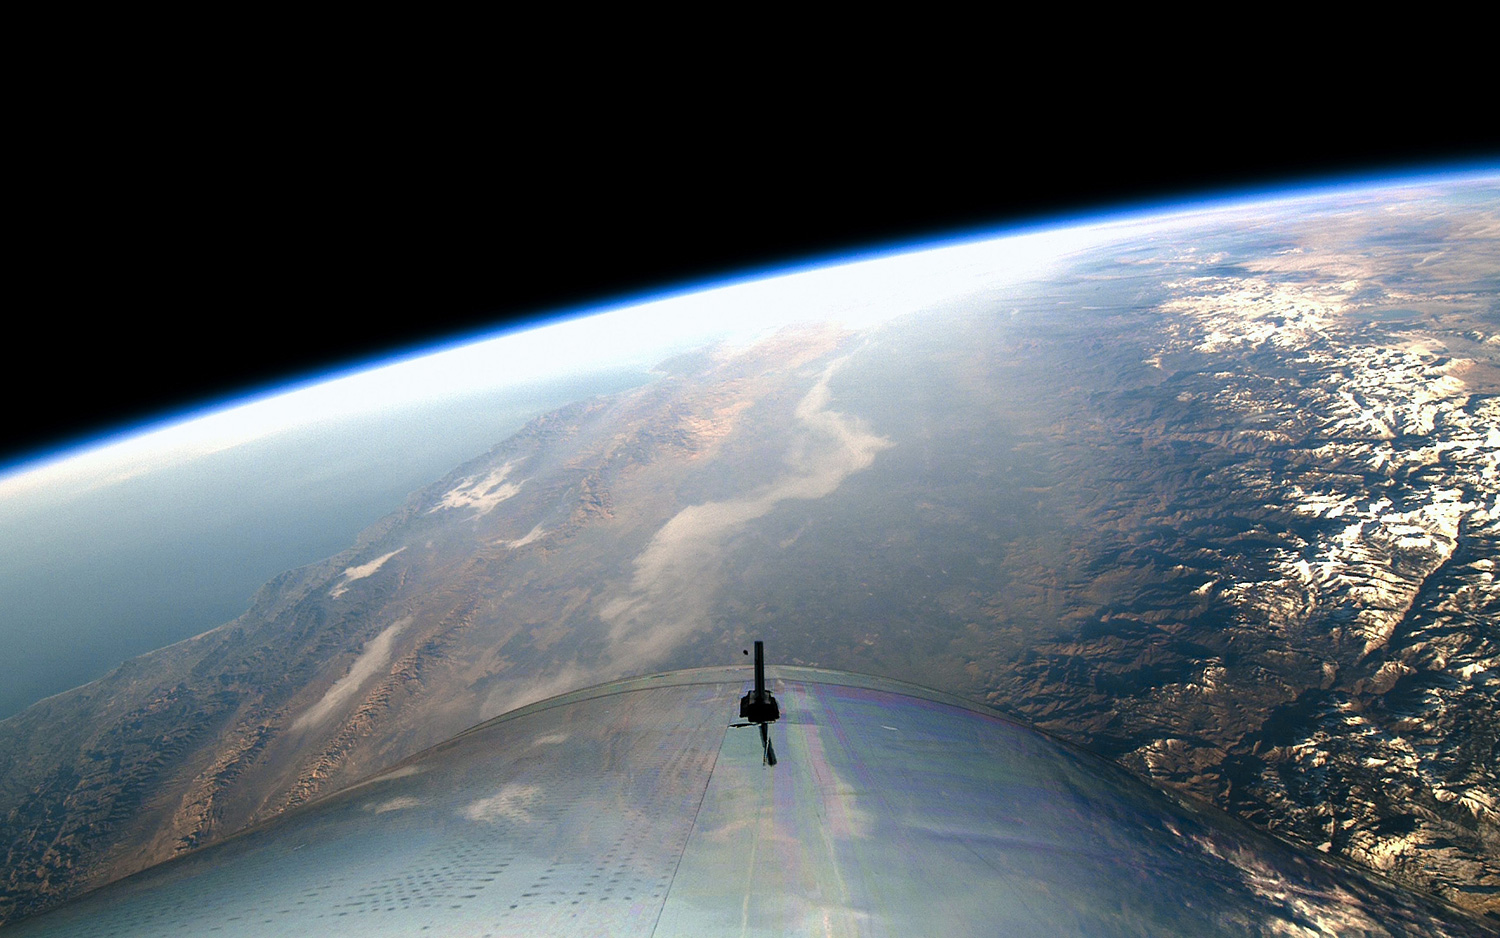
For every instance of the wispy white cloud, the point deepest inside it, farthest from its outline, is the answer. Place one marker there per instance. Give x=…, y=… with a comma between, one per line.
x=677, y=575
x=530, y=536
x=376, y=653
x=361, y=572
x=481, y=493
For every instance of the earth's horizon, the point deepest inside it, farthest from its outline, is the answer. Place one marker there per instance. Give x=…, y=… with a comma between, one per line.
x=1213, y=494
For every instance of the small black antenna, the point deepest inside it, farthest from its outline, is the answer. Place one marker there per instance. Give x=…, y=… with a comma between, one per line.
x=759, y=708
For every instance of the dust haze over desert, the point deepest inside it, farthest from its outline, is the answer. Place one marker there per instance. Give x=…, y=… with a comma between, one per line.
x=1213, y=493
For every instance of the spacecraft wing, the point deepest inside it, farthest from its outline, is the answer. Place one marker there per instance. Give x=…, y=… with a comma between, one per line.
x=634, y=809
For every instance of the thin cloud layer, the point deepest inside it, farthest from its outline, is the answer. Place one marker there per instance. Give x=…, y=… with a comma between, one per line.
x=677, y=575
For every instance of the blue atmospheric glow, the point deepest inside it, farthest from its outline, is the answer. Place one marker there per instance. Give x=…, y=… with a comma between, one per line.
x=1121, y=214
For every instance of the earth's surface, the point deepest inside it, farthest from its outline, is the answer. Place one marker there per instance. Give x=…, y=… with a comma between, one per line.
x=1216, y=495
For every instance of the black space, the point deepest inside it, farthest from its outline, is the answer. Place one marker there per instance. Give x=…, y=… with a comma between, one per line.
x=157, y=277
